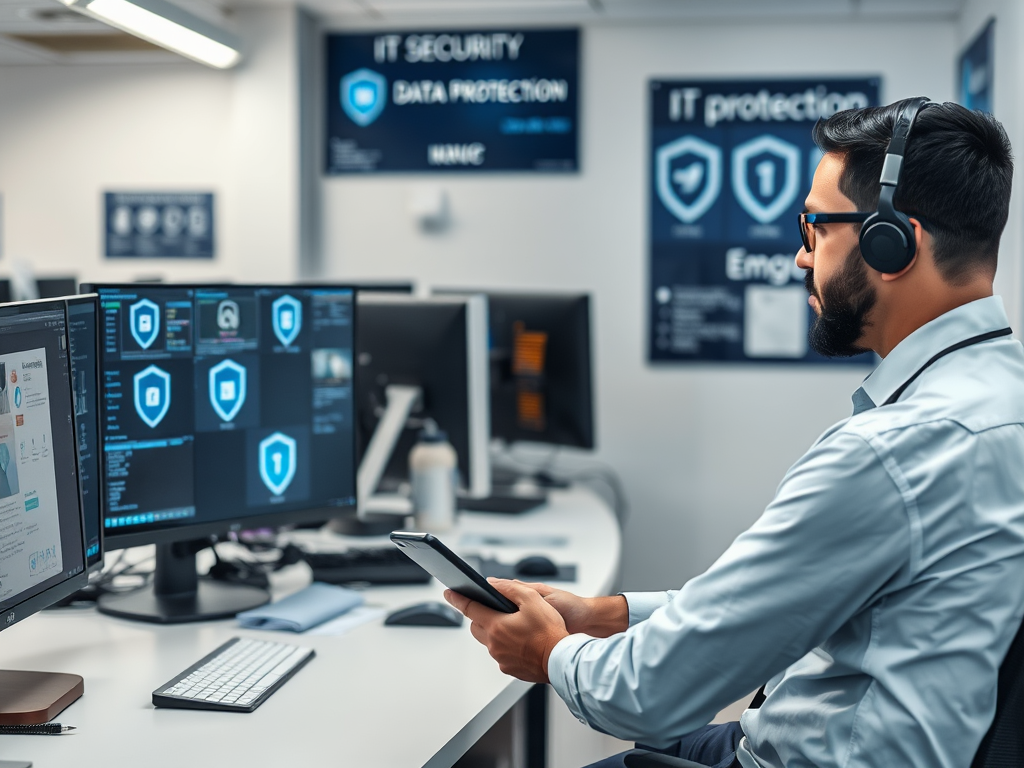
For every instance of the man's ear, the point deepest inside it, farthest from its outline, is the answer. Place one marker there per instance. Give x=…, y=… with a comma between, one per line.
x=919, y=235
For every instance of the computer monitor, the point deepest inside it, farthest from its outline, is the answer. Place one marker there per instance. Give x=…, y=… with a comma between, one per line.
x=83, y=338
x=438, y=347
x=54, y=287
x=223, y=408
x=385, y=286
x=42, y=549
x=5, y=291
x=540, y=367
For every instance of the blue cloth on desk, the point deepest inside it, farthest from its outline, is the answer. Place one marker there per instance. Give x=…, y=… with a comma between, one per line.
x=296, y=613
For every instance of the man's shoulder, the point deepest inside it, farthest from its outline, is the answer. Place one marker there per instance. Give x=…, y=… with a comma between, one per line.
x=975, y=393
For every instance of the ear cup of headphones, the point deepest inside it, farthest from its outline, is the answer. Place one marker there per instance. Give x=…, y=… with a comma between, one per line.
x=887, y=245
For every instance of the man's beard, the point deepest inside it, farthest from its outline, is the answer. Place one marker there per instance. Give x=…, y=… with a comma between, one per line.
x=844, y=303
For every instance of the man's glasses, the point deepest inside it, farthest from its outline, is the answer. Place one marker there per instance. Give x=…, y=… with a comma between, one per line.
x=808, y=221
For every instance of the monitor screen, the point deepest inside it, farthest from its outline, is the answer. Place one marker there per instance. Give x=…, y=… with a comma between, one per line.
x=42, y=553
x=224, y=407
x=540, y=367
x=84, y=343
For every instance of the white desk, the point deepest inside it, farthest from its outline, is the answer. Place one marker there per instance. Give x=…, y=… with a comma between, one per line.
x=377, y=697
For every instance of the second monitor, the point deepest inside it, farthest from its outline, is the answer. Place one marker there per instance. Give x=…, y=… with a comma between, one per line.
x=436, y=349
x=223, y=407
x=540, y=367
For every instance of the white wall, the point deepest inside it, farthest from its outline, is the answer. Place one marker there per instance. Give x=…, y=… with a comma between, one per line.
x=701, y=448
x=69, y=133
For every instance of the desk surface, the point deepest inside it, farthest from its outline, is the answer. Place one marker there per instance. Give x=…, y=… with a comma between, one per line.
x=377, y=696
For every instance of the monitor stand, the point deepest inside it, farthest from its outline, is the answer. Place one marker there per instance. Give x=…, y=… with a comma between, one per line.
x=371, y=519
x=33, y=698
x=177, y=595
x=381, y=515
x=377, y=525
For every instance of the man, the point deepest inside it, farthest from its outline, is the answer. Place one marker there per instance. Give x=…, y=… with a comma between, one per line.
x=880, y=590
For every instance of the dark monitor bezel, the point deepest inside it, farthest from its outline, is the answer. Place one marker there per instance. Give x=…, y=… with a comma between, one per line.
x=50, y=280
x=46, y=598
x=94, y=299
x=588, y=437
x=178, y=533
x=406, y=288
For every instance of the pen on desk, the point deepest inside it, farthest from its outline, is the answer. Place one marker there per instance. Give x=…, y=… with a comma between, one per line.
x=46, y=729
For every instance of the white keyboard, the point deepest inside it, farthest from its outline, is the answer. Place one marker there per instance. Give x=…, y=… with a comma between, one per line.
x=237, y=677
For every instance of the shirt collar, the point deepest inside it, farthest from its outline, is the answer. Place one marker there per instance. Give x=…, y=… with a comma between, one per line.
x=909, y=355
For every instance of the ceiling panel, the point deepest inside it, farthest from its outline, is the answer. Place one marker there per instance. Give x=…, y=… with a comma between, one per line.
x=42, y=16
x=51, y=17
x=405, y=7
x=585, y=10
x=52, y=34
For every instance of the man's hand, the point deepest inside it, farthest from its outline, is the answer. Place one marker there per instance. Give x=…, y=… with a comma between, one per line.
x=594, y=616
x=520, y=642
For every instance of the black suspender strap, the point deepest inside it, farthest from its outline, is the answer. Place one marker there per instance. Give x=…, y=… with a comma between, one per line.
x=959, y=345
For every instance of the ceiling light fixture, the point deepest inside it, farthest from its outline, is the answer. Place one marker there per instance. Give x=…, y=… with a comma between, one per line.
x=165, y=24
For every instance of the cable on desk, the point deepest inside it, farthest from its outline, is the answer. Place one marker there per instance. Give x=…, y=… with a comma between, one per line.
x=238, y=571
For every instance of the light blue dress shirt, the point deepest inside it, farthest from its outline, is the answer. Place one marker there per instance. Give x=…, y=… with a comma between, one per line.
x=877, y=594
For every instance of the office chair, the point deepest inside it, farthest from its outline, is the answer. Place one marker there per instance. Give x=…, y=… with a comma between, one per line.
x=1002, y=747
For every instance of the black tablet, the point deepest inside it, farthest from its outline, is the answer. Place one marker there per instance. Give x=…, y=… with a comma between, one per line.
x=451, y=570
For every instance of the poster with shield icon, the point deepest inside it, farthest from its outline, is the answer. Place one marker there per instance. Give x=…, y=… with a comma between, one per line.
x=731, y=163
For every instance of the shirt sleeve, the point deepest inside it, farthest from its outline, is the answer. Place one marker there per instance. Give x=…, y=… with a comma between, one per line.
x=643, y=604
x=835, y=535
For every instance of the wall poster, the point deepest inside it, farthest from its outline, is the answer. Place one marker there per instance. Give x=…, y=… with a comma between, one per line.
x=731, y=163
x=974, y=72
x=453, y=100
x=148, y=225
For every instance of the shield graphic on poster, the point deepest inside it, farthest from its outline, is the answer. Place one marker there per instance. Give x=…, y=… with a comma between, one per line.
x=227, y=389
x=144, y=322
x=277, y=462
x=363, y=96
x=766, y=177
x=688, y=177
x=152, y=394
x=286, y=317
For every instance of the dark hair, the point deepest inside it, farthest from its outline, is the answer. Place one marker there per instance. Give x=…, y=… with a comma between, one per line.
x=956, y=179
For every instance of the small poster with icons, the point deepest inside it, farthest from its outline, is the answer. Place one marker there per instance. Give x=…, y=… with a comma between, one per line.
x=158, y=225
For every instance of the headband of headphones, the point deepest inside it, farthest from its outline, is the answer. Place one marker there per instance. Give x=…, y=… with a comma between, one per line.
x=887, y=240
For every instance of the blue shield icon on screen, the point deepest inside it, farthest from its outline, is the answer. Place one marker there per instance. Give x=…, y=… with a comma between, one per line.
x=363, y=96
x=227, y=389
x=152, y=394
x=766, y=177
x=286, y=317
x=277, y=462
x=688, y=177
x=144, y=322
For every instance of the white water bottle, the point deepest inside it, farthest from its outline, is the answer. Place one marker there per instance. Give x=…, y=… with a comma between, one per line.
x=432, y=469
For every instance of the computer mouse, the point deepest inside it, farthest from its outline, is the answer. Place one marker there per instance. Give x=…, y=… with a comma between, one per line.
x=425, y=615
x=536, y=565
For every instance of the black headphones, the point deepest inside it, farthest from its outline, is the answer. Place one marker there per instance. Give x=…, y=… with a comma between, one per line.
x=887, y=240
